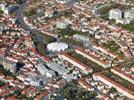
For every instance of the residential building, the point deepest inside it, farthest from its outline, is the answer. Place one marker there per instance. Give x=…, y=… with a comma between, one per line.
x=128, y=93
x=91, y=55
x=115, y=14
x=83, y=68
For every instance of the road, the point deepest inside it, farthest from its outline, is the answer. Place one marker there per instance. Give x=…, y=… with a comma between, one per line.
x=19, y=16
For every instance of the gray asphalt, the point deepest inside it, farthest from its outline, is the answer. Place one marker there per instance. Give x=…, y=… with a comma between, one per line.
x=19, y=16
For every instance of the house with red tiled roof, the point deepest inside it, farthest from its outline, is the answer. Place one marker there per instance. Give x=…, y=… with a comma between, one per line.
x=118, y=71
x=91, y=55
x=83, y=68
x=43, y=96
x=128, y=93
x=85, y=85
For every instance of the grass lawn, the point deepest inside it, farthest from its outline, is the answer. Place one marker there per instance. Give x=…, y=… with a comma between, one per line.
x=1, y=12
x=129, y=27
x=119, y=80
x=105, y=8
x=84, y=60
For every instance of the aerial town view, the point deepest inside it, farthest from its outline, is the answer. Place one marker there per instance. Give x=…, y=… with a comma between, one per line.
x=66, y=49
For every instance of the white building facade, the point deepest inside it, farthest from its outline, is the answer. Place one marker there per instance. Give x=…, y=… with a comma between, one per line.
x=115, y=14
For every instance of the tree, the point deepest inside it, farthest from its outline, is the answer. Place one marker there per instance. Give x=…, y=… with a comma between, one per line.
x=120, y=54
x=17, y=93
x=85, y=95
x=128, y=65
x=132, y=40
x=112, y=90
